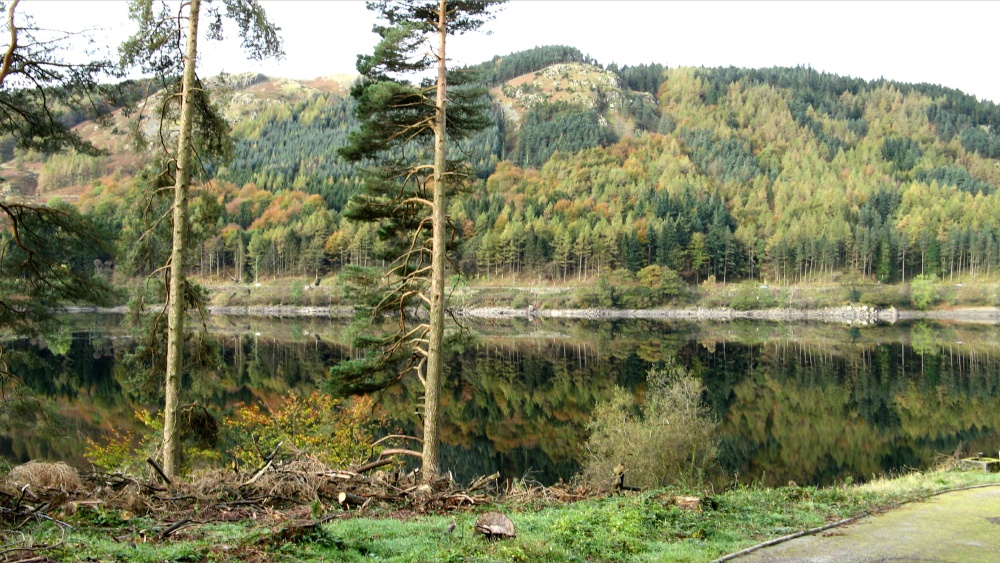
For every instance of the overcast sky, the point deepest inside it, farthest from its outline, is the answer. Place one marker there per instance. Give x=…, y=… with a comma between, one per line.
x=949, y=43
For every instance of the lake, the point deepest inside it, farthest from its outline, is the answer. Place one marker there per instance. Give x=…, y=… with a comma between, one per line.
x=810, y=403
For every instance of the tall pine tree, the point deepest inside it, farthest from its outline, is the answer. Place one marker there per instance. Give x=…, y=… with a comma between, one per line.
x=405, y=129
x=156, y=48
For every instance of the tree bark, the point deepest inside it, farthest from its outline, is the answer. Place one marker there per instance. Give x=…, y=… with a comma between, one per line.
x=8, y=56
x=176, y=309
x=430, y=469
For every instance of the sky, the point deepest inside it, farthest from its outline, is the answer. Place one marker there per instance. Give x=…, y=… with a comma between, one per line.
x=948, y=43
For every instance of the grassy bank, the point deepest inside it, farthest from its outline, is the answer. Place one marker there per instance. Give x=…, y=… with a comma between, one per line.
x=637, y=527
x=628, y=293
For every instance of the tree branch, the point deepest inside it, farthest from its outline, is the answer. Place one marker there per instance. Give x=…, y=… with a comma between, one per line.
x=9, y=54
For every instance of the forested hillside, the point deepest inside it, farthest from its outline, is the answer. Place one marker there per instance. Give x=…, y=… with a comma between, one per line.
x=778, y=175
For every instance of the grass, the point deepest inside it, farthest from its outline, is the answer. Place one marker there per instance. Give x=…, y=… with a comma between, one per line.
x=638, y=527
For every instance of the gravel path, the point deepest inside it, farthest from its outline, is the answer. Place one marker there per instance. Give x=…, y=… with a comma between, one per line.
x=954, y=527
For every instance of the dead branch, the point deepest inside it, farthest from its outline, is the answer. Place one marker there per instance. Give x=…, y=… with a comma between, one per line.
x=400, y=451
x=174, y=527
x=159, y=471
x=482, y=482
x=397, y=437
x=372, y=465
x=268, y=461
x=258, y=473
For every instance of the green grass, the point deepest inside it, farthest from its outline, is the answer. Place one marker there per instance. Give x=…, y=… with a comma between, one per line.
x=519, y=293
x=639, y=527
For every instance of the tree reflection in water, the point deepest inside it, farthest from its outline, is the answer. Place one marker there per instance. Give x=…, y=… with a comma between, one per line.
x=812, y=404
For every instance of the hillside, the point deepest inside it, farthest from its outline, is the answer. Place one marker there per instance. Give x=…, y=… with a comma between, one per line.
x=778, y=175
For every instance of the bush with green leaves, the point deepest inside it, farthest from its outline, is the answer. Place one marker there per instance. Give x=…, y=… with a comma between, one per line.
x=668, y=439
x=332, y=430
x=923, y=291
x=750, y=296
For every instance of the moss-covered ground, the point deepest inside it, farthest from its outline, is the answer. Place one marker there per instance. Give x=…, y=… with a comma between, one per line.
x=644, y=526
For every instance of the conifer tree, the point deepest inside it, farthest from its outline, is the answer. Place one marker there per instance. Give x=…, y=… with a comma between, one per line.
x=405, y=130
x=47, y=252
x=156, y=48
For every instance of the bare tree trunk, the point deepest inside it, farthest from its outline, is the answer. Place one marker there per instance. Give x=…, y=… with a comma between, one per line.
x=435, y=348
x=175, y=311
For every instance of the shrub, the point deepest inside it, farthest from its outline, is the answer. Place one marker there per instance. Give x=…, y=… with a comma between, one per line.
x=116, y=453
x=126, y=452
x=854, y=295
x=884, y=296
x=923, y=291
x=334, y=432
x=520, y=301
x=670, y=439
x=750, y=296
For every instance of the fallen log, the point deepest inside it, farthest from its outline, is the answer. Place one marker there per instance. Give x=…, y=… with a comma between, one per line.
x=689, y=503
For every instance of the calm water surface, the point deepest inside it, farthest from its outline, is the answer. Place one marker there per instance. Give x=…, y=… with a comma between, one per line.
x=809, y=403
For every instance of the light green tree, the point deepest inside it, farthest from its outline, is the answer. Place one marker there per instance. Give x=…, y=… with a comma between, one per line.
x=923, y=291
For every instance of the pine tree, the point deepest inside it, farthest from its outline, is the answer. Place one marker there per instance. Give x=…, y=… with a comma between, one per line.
x=405, y=130
x=47, y=252
x=155, y=47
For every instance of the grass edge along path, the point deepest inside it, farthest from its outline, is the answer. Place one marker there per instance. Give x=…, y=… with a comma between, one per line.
x=645, y=526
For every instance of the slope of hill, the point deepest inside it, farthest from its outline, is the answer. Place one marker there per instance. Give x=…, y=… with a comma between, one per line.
x=773, y=174
x=244, y=98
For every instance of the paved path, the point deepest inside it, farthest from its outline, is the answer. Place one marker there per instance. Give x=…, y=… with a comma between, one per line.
x=954, y=527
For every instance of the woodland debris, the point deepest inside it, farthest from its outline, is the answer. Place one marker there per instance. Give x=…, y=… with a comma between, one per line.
x=373, y=465
x=297, y=530
x=279, y=490
x=40, y=474
x=159, y=471
x=174, y=527
x=482, y=482
x=618, y=484
x=347, y=500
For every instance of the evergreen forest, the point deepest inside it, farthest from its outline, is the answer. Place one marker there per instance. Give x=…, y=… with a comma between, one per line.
x=662, y=176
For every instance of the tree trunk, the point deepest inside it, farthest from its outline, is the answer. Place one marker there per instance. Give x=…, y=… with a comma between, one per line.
x=175, y=312
x=435, y=348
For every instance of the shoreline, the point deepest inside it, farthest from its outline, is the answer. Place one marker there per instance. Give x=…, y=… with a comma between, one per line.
x=863, y=315
x=853, y=315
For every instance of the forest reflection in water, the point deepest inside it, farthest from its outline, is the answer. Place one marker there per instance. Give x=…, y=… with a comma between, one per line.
x=802, y=402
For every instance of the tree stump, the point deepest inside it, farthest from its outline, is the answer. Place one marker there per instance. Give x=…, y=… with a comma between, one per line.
x=494, y=526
